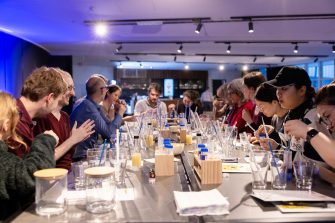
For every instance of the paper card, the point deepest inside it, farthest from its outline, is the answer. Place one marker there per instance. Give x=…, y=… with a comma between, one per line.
x=236, y=168
x=152, y=160
x=289, y=195
x=306, y=207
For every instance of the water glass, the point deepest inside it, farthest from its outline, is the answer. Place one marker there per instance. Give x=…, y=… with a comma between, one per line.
x=51, y=189
x=120, y=164
x=100, y=189
x=259, y=164
x=94, y=155
x=303, y=171
x=279, y=173
x=78, y=169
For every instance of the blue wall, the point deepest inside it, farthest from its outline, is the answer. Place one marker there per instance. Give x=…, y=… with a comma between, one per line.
x=17, y=59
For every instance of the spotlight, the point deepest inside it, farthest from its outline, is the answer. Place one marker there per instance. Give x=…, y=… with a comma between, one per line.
x=180, y=48
x=316, y=60
x=118, y=49
x=198, y=29
x=245, y=67
x=295, y=48
x=251, y=27
x=255, y=59
x=228, y=49
x=333, y=48
x=282, y=59
x=175, y=58
x=204, y=59
x=127, y=58
x=100, y=29
x=221, y=67
x=187, y=67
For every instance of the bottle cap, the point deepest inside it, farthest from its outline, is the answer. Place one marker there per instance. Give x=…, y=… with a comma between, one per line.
x=136, y=137
x=168, y=146
x=204, y=149
x=166, y=141
x=198, y=134
x=201, y=146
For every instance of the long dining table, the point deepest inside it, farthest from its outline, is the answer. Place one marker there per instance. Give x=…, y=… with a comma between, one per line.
x=154, y=202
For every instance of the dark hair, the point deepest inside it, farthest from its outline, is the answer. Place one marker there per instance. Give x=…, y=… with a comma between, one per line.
x=192, y=95
x=266, y=93
x=326, y=95
x=112, y=88
x=310, y=91
x=253, y=79
x=155, y=86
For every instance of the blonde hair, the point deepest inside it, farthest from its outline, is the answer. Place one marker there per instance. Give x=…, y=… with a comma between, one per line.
x=8, y=111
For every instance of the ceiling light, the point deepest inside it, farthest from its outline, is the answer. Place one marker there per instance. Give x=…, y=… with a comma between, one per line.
x=316, y=60
x=175, y=58
x=118, y=49
x=198, y=29
x=282, y=59
x=221, y=67
x=100, y=29
x=255, y=59
x=296, y=48
x=228, y=49
x=204, y=59
x=127, y=58
x=150, y=67
x=187, y=67
x=251, y=27
x=180, y=48
x=245, y=67
x=333, y=48
x=141, y=65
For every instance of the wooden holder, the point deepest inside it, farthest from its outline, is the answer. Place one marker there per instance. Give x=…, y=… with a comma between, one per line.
x=164, y=165
x=208, y=171
x=182, y=134
x=165, y=133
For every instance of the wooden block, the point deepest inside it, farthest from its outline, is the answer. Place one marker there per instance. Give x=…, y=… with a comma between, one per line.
x=208, y=171
x=164, y=165
x=182, y=135
x=165, y=133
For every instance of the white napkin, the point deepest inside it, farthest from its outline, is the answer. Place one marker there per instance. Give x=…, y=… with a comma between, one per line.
x=201, y=203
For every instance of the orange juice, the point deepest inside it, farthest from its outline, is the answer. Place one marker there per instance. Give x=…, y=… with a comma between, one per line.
x=188, y=140
x=149, y=139
x=136, y=160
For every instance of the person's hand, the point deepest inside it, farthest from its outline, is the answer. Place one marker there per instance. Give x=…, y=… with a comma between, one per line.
x=296, y=128
x=246, y=116
x=261, y=130
x=122, y=109
x=264, y=142
x=83, y=132
x=53, y=134
x=253, y=140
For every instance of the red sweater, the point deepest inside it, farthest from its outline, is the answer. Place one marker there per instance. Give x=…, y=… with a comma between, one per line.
x=235, y=116
x=62, y=130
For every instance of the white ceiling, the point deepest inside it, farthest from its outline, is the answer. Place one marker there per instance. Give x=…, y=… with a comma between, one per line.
x=59, y=27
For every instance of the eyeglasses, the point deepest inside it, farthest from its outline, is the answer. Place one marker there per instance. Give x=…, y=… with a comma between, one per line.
x=70, y=88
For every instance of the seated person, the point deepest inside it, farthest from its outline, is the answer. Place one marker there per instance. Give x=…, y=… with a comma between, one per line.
x=59, y=122
x=239, y=104
x=111, y=104
x=17, y=183
x=89, y=108
x=221, y=104
x=323, y=143
x=190, y=102
x=152, y=104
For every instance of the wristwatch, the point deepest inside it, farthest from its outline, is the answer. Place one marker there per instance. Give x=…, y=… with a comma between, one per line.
x=310, y=134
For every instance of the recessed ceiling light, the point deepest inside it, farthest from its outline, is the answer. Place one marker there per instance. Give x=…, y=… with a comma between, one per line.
x=245, y=67
x=187, y=67
x=221, y=67
x=101, y=29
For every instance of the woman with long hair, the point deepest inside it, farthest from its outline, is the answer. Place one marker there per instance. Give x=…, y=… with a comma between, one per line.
x=16, y=174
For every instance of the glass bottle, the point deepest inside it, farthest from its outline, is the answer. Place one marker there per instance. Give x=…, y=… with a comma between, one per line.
x=136, y=155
